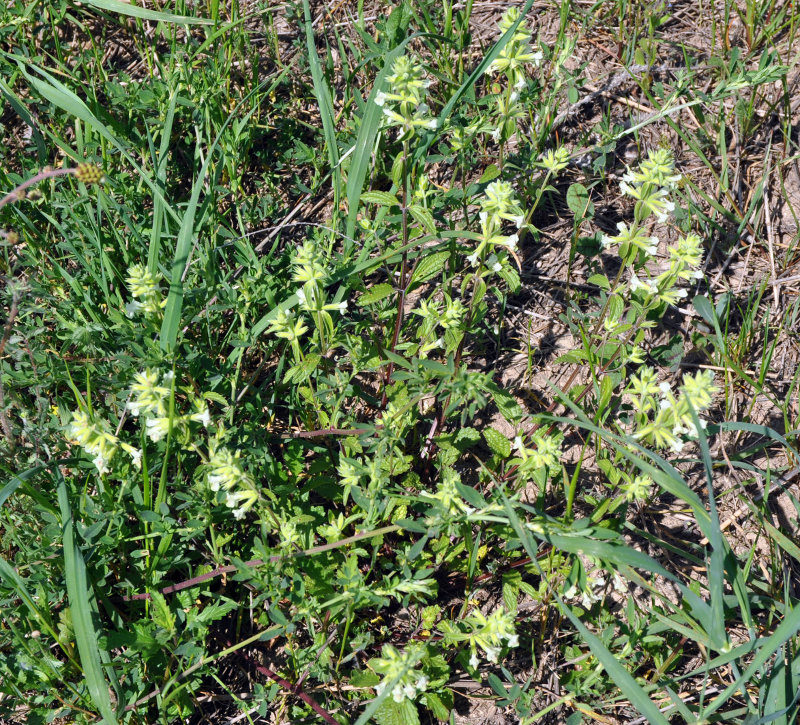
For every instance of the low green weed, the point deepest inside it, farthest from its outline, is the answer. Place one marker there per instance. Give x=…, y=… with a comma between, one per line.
x=297, y=455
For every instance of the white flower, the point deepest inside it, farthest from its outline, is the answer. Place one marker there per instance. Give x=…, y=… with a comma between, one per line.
x=134, y=453
x=397, y=693
x=496, y=134
x=473, y=259
x=496, y=267
x=343, y=307
x=157, y=428
x=422, y=684
x=203, y=416
x=474, y=661
x=102, y=463
x=492, y=653
x=637, y=284
x=301, y=296
x=380, y=98
x=132, y=308
x=519, y=220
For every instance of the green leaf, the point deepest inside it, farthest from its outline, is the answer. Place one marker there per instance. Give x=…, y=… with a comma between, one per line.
x=578, y=201
x=323, y=95
x=509, y=408
x=497, y=442
x=396, y=713
x=81, y=598
x=511, y=582
x=365, y=142
x=704, y=309
x=491, y=173
x=302, y=371
x=423, y=217
x=135, y=11
x=436, y=706
x=375, y=294
x=364, y=678
x=600, y=280
x=382, y=198
x=428, y=267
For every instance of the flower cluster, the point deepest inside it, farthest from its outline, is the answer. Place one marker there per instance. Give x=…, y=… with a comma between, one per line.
x=650, y=184
x=226, y=475
x=511, y=61
x=555, y=160
x=399, y=671
x=498, y=204
x=447, y=495
x=433, y=318
x=663, y=419
x=95, y=437
x=517, y=52
x=489, y=634
x=150, y=398
x=289, y=327
x=545, y=452
x=146, y=289
x=403, y=103
x=310, y=271
x=594, y=588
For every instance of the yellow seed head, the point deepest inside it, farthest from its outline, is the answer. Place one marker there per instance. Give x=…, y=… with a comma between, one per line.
x=88, y=173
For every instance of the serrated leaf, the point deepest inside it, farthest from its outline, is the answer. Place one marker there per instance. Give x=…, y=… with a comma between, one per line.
x=491, y=173
x=428, y=267
x=437, y=707
x=509, y=408
x=397, y=713
x=375, y=294
x=600, y=280
x=510, y=594
x=364, y=678
x=382, y=198
x=616, y=306
x=497, y=442
x=578, y=201
x=302, y=371
x=510, y=276
x=423, y=217
x=471, y=496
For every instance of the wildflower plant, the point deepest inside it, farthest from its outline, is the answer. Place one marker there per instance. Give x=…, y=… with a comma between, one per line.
x=310, y=442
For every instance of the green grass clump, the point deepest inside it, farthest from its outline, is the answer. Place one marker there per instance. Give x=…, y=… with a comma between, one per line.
x=266, y=280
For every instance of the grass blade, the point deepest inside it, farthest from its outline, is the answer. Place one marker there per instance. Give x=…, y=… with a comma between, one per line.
x=367, y=133
x=135, y=11
x=323, y=95
x=78, y=593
